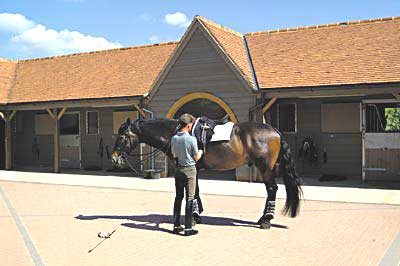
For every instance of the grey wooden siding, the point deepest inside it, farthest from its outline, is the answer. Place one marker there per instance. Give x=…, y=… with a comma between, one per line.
x=383, y=159
x=24, y=147
x=201, y=69
x=343, y=150
x=23, y=154
x=2, y=144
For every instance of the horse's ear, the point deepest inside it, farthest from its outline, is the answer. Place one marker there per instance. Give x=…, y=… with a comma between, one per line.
x=128, y=121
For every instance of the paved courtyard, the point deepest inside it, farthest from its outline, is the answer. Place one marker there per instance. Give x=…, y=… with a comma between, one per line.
x=58, y=224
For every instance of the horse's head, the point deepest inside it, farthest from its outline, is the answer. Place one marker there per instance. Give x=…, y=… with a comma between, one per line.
x=126, y=142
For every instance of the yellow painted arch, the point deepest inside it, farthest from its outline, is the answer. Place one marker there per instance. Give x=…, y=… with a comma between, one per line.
x=201, y=95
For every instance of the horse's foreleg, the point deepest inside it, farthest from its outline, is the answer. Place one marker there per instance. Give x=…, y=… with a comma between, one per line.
x=197, y=197
x=197, y=204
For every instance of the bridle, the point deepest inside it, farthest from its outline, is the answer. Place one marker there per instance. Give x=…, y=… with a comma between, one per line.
x=127, y=135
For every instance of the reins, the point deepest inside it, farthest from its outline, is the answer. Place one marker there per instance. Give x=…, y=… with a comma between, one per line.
x=167, y=145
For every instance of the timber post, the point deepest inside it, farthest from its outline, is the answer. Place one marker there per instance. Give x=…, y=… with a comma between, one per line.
x=56, y=116
x=8, y=138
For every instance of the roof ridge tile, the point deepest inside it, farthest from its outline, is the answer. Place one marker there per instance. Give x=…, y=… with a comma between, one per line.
x=330, y=25
x=98, y=51
x=212, y=23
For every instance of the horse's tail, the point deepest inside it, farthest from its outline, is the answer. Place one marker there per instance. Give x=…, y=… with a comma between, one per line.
x=291, y=180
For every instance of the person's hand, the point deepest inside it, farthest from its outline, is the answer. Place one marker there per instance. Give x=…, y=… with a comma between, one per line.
x=198, y=155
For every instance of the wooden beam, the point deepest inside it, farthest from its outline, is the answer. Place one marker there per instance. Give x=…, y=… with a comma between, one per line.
x=62, y=113
x=397, y=96
x=8, y=140
x=140, y=110
x=50, y=113
x=110, y=102
x=329, y=92
x=12, y=115
x=3, y=116
x=268, y=105
x=56, y=135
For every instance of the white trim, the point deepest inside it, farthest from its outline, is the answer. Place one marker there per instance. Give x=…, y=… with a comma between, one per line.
x=87, y=122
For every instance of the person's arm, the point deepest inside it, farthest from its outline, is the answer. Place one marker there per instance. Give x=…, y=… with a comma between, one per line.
x=196, y=152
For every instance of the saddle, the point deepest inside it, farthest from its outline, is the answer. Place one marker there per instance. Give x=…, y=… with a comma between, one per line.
x=203, y=129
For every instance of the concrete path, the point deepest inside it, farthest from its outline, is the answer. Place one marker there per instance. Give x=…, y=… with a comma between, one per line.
x=232, y=188
x=45, y=224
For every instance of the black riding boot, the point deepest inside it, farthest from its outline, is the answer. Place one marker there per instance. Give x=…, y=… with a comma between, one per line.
x=177, y=216
x=188, y=219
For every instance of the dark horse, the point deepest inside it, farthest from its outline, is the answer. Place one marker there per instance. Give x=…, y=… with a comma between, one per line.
x=251, y=143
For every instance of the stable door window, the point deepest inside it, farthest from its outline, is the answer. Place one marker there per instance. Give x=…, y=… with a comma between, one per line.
x=69, y=124
x=383, y=117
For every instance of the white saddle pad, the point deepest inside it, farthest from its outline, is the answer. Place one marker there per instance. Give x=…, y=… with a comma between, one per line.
x=222, y=132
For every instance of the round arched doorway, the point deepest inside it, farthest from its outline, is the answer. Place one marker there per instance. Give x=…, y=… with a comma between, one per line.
x=204, y=104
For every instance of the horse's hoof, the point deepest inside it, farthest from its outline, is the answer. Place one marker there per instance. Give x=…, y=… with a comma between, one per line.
x=261, y=220
x=265, y=225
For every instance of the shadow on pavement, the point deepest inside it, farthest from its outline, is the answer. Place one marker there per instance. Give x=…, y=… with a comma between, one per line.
x=152, y=221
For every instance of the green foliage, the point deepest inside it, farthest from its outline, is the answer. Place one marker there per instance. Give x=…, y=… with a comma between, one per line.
x=392, y=119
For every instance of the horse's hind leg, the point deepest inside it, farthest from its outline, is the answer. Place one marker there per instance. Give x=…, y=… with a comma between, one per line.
x=272, y=188
x=269, y=210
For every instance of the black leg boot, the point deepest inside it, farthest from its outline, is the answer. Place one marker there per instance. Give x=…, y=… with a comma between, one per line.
x=197, y=205
x=188, y=219
x=269, y=212
x=196, y=213
x=177, y=216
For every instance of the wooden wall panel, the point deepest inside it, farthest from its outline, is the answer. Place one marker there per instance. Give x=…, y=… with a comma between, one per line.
x=340, y=118
x=386, y=163
x=343, y=150
x=201, y=69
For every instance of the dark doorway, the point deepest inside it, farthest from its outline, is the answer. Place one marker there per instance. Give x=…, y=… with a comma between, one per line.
x=205, y=107
x=2, y=144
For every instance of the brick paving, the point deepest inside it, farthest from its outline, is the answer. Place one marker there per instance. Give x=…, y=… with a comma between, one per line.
x=63, y=221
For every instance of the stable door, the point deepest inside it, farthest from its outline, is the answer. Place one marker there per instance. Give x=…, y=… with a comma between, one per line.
x=70, y=141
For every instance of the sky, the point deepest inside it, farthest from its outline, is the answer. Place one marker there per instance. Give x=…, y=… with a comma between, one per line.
x=41, y=28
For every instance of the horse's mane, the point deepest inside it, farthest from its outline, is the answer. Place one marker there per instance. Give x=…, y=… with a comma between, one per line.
x=161, y=122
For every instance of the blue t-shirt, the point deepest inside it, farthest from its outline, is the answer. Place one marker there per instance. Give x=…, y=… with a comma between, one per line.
x=184, y=147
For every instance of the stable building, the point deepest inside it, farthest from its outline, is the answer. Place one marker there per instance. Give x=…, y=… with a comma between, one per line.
x=336, y=86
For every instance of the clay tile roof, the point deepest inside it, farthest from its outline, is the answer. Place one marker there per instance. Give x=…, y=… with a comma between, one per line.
x=233, y=45
x=355, y=52
x=7, y=71
x=101, y=74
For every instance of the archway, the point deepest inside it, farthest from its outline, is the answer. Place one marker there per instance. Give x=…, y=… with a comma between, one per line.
x=203, y=104
x=203, y=96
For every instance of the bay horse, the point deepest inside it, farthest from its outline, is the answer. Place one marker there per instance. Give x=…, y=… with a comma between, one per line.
x=250, y=142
